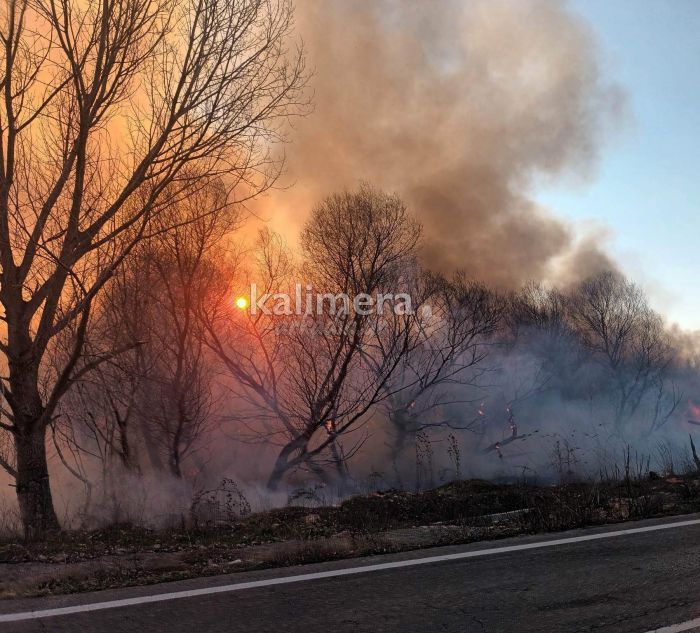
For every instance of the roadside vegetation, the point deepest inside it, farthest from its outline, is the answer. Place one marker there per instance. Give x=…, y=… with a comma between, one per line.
x=387, y=521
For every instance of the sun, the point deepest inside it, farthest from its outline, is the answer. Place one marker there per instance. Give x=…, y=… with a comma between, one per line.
x=242, y=303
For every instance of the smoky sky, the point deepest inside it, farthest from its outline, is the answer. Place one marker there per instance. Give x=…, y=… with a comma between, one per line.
x=461, y=107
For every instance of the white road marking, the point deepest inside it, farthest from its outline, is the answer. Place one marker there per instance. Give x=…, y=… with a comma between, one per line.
x=348, y=571
x=690, y=625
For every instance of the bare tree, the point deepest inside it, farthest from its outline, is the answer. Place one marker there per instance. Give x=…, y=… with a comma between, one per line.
x=111, y=111
x=99, y=410
x=315, y=377
x=160, y=391
x=445, y=360
x=536, y=307
x=177, y=395
x=541, y=348
x=627, y=338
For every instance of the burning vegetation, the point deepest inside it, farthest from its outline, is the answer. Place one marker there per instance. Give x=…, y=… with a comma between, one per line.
x=139, y=373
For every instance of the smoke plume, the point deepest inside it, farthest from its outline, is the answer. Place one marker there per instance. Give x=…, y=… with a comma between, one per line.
x=461, y=108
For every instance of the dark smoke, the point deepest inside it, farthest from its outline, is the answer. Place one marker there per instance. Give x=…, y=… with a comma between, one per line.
x=461, y=108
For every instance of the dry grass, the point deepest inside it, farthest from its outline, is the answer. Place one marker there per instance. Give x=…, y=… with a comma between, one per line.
x=459, y=512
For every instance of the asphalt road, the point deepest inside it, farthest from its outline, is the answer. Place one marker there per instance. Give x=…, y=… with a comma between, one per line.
x=633, y=583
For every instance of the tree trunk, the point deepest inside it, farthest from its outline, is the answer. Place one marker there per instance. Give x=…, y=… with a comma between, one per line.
x=279, y=470
x=32, y=479
x=398, y=446
x=175, y=468
x=33, y=489
x=283, y=463
x=696, y=459
x=402, y=431
x=340, y=464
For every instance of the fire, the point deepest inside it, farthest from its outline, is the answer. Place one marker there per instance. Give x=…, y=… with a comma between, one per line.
x=242, y=303
x=693, y=413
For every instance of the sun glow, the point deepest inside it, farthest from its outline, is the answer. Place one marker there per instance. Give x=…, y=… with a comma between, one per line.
x=242, y=303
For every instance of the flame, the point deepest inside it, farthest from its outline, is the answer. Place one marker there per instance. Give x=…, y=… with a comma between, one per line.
x=693, y=412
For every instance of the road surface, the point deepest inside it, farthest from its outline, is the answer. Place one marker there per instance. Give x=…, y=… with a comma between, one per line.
x=636, y=578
